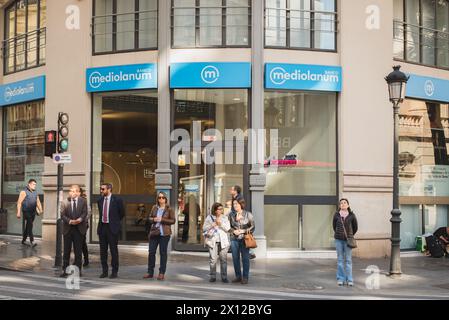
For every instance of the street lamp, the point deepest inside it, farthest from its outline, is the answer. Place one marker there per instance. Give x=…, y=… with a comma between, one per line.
x=397, y=81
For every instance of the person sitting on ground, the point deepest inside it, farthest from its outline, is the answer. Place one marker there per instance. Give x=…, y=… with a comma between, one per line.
x=442, y=234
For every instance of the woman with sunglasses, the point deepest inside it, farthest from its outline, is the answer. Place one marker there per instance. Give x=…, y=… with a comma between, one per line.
x=215, y=231
x=160, y=218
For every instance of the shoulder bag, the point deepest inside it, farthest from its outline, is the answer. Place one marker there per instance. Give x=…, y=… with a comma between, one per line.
x=351, y=242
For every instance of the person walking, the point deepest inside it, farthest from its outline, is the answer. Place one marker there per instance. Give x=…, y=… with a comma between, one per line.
x=215, y=230
x=236, y=194
x=112, y=212
x=345, y=227
x=89, y=214
x=29, y=206
x=160, y=219
x=242, y=222
x=74, y=217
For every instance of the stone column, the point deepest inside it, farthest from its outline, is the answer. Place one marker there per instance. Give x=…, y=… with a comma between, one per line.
x=257, y=179
x=163, y=171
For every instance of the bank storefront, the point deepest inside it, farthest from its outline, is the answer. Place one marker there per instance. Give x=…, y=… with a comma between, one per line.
x=302, y=182
x=207, y=100
x=23, y=110
x=423, y=158
x=124, y=141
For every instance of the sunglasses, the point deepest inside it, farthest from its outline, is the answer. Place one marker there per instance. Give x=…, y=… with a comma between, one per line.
x=102, y=189
x=162, y=198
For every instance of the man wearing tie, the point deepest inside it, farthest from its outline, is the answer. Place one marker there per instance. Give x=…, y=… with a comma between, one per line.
x=111, y=211
x=74, y=216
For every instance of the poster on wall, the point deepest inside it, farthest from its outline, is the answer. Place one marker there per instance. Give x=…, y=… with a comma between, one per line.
x=435, y=180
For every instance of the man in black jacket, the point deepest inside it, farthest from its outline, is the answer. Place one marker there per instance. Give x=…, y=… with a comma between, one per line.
x=111, y=211
x=74, y=216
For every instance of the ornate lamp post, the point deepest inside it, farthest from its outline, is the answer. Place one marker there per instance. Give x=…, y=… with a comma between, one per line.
x=397, y=81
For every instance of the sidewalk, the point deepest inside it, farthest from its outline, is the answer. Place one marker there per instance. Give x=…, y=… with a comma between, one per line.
x=422, y=276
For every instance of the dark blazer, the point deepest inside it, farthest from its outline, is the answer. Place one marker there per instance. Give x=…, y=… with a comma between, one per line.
x=67, y=214
x=116, y=214
x=168, y=218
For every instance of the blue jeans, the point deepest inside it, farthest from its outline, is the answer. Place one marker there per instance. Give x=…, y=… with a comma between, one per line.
x=162, y=242
x=238, y=248
x=344, y=259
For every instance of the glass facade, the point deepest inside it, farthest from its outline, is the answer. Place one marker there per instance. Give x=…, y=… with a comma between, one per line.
x=301, y=24
x=24, y=38
x=23, y=159
x=424, y=167
x=421, y=33
x=304, y=168
x=211, y=23
x=200, y=183
x=124, y=25
x=125, y=154
x=306, y=129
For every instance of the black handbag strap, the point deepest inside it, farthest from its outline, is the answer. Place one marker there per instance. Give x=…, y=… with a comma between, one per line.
x=344, y=228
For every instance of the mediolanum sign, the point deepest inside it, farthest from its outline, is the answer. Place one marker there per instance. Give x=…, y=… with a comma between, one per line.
x=125, y=77
x=303, y=77
x=22, y=91
x=210, y=75
x=427, y=88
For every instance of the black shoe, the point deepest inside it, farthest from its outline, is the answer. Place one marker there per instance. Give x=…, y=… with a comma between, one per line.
x=212, y=280
x=86, y=263
x=113, y=276
x=252, y=256
x=237, y=280
x=104, y=275
x=64, y=275
x=225, y=280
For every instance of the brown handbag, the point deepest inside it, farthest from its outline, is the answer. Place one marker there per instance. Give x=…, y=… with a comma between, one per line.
x=250, y=242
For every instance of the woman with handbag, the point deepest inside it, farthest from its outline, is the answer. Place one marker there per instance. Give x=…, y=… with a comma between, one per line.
x=160, y=219
x=215, y=231
x=242, y=223
x=345, y=227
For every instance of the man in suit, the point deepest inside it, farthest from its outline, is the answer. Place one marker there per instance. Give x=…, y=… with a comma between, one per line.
x=111, y=211
x=74, y=216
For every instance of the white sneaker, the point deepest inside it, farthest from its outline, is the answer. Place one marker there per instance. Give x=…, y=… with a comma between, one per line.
x=350, y=284
x=340, y=283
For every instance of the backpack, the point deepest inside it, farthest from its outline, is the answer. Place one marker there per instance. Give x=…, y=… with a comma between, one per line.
x=434, y=246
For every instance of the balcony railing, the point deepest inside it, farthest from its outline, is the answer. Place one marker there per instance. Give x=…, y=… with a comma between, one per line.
x=24, y=51
x=124, y=31
x=418, y=44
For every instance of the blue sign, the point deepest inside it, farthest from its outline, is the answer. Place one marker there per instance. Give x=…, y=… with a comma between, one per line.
x=210, y=75
x=127, y=77
x=22, y=91
x=303, y=77
x=427, y=88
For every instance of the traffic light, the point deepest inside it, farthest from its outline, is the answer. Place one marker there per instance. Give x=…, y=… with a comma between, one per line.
x=50, y=143
x=63, y=132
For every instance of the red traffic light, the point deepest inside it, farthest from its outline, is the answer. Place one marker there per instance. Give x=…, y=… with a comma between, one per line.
x=50, y=136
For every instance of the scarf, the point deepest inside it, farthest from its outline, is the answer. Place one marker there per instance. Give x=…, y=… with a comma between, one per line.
x=344, y=213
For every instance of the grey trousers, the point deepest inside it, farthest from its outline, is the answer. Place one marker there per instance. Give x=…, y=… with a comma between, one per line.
x=215, y=253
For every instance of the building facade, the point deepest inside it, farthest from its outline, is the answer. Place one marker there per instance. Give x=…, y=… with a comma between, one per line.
x=135, y=76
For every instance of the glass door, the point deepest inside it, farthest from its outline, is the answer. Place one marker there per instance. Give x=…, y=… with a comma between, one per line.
x=195, y=196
